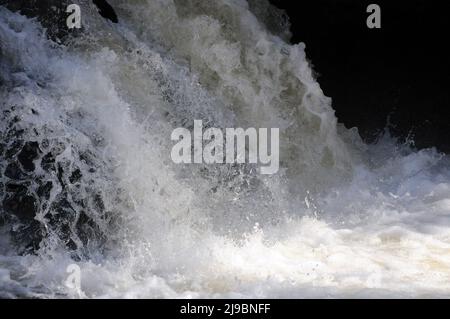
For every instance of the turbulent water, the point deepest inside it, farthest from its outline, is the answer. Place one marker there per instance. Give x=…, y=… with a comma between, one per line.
x=86, y=148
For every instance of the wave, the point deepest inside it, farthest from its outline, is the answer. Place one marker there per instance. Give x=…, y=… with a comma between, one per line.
x=86, y=174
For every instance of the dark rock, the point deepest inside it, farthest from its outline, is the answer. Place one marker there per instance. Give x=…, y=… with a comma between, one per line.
x=50, y=13
x=28, y=236
x=17, y=188
x=61, y=176
x=14, y=171
x=21, y=205
x=48, y=162
x=106, y=11
x=87, y=229
x=29, y=153
x=75, y=177
x=98, y=203
x=16, y=119
x=44, y=190
x=77, y=214
x=13, y=148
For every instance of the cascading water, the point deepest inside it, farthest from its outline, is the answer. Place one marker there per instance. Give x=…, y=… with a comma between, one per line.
x=87, y=178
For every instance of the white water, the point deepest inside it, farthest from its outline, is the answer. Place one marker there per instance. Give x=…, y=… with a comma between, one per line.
x=340, y=219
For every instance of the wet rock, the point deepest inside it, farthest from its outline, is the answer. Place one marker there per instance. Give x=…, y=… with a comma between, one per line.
x=75, y=177
x=106, y=11
x=13, y=148
x=44, y=190
x=28, y=236
x=14, y=171
x=29, y=153
x=21, y=205
x=17, y=188
x=50, y=13
x=87, y=229
x=76, y=215
x=48, y=162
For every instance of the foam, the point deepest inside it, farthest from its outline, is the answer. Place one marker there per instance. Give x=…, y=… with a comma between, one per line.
x=340, y=219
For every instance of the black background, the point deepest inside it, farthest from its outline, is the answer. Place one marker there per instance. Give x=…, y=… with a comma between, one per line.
x=400, y=72
x=278, y=308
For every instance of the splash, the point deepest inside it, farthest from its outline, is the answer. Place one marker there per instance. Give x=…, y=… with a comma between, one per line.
x=86, y=146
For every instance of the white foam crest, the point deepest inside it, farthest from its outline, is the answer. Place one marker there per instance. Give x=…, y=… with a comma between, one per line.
x=373, y=223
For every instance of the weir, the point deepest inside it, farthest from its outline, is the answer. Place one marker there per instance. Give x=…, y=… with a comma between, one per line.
x=87, y=182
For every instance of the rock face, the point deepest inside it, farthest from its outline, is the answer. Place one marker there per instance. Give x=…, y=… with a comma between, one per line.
x=41, y=194
x=45, y=195
x=50, y=13
x=106, y=11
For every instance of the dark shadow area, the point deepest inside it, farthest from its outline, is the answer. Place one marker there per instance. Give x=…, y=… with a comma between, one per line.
x=400, y=72
x=106, y=11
